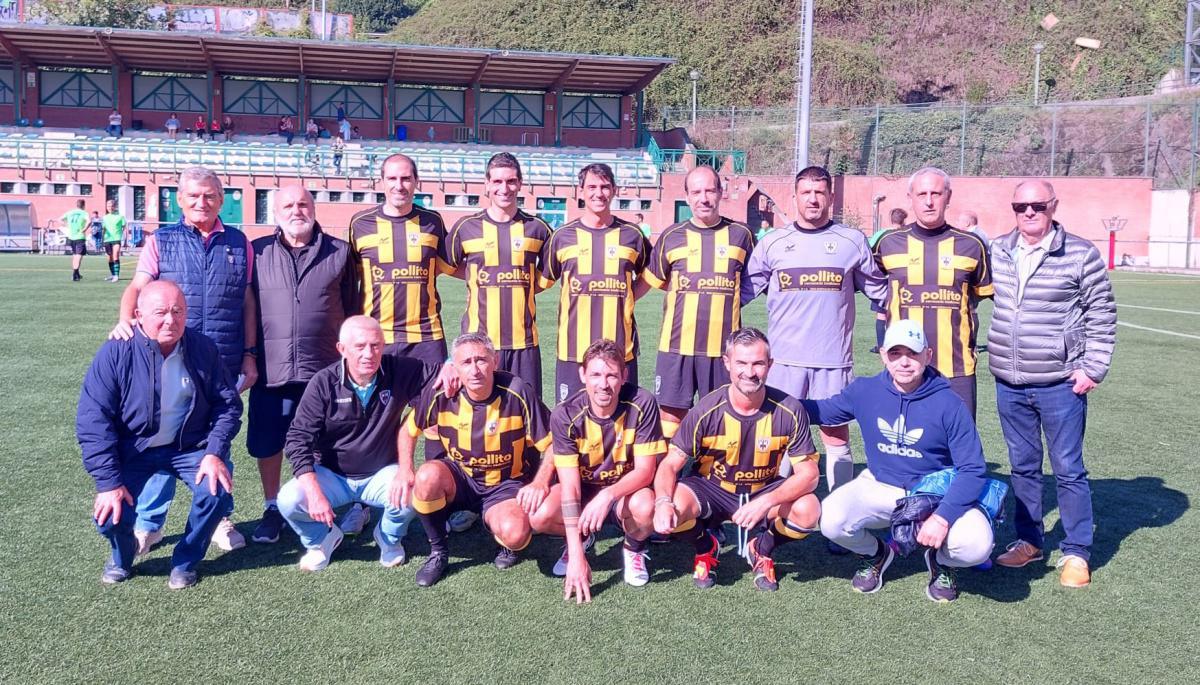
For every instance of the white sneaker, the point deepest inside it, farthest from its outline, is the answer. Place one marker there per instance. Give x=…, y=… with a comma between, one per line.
x=461, y=520
x=317, y=559
x=560, y=566
x=636, y=573
x=227, y=537
x=389, y=555
x=355, y=519
x=146, y=540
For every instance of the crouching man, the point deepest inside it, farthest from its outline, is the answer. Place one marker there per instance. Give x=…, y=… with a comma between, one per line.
x=159, y=401
x=913, y=424
x=342, y=444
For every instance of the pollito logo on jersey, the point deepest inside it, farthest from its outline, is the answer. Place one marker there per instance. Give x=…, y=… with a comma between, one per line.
x=515, y=277
x=717, y=283
x=900, y=438
x=930, y=296
x=811, y=278
x=411, y=273
x=601, y=285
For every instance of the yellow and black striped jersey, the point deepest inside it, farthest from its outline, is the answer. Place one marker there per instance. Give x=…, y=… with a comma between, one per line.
x=597, y=268
x=604, y=449
x=741, y=454
x=400, y=259
x=491, y=440
x=501, y=262
x=934, y=277
x=702, y=269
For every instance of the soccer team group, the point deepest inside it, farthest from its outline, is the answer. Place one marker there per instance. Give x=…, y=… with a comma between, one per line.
x=342, y=347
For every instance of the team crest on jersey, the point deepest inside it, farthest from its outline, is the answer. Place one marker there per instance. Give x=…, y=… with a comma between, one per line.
x=518, y=243
x=562, y=390
x=611, y=252
x=722, y=251
x=491, y=427
x=946, y=261
x=763, y=444
x=618, y=441
x=413, y=238
x=657, y=384
x=385, y=396
x=831, y=247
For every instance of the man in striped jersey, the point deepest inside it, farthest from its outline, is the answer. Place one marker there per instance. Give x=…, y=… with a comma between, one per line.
x=498, y=252
x=401, y=248
x=810, y=272
x=598, y=258
x=936, y=273
x=700, y=262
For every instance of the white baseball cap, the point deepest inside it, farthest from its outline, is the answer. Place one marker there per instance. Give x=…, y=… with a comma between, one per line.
x=905, y=332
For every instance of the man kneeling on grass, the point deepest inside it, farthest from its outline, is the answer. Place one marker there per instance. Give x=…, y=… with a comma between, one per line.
x=342, y=444
x=913, y=425
x=160, y=400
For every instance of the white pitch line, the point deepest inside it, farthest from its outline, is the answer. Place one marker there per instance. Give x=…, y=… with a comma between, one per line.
x=1158, y=309
x=1158, y=330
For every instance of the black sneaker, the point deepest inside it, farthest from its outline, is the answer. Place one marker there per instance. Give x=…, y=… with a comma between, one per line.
x=943, y=585
x=76, y=276
x=181, y=579
x=433, y=569
x=506, y=558
x=869, y=577
x=113, y=574
x=267, y=531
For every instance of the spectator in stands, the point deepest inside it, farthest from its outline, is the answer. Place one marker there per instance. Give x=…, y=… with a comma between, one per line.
x=431, y=133
x=287, y=128
x=114, y=124
x=339, y=147
x=155, y=402
x=227, y=128
x=312, y=131
x=355, y=134
x=341, y=112
x=221, y=305
x=200, y=128
x=173, y=126
x=214, y=130
x=345, y=129
x=641, y=223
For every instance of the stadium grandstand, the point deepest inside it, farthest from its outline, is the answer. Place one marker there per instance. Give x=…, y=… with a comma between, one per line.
x=448, y=108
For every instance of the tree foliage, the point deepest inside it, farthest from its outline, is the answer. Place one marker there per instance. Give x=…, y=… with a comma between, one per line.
x=122, y=14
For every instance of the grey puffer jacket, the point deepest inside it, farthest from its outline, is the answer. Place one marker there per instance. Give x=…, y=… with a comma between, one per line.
x=1065, y=320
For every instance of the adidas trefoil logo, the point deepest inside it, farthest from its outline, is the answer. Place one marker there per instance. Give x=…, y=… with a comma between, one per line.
x=900, y=438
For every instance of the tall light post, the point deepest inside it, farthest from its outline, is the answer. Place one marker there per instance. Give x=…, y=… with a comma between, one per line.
x=1037, y=69
x=803, y=87
x=694, y=75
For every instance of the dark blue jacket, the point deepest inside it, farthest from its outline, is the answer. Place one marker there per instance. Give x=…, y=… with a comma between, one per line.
x=909, y=435
x=119, y=404
x=213, y=280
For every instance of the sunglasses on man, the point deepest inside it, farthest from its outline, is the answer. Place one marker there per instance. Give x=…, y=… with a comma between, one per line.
x=1039, y=207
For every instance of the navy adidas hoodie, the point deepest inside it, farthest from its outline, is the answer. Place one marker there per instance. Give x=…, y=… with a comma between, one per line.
x=909, y=435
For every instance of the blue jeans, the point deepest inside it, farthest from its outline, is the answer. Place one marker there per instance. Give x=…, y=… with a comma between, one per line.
x=157, y=495
x=340, y=491
x=207, y=509
x=1026, y=412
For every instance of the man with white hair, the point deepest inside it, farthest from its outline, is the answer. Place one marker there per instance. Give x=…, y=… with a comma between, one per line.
x=305, y=285
x=936, y=274
x=212, y=266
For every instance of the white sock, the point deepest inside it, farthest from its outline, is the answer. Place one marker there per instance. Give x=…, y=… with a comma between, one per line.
x=267, y=504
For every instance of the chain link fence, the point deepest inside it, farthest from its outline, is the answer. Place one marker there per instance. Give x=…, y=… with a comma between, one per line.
x=1156, y=139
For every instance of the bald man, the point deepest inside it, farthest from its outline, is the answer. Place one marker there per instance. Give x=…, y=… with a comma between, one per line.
x=305, y=285
x=701, y=264
x=159, y=401
x=969, y=221
x=342, y=444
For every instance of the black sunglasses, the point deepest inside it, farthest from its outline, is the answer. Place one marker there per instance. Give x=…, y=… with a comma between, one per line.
x=1039, y=207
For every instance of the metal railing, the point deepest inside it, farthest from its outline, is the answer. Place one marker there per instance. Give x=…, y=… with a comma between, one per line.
x=671, y=160
x=550, y=168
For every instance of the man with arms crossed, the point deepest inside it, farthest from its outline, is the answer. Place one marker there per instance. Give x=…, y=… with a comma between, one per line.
x=701, y=263
x=1053, y=332
x=489, y=429
x=738, y=434
x=607, y=442
x=810, y=272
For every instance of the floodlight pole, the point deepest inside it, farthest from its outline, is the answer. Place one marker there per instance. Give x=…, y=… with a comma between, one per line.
x=694, y=75
x=1037, y=70
x=803, y=87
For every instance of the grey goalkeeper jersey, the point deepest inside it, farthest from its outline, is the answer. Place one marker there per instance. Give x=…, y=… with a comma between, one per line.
x=810, y=277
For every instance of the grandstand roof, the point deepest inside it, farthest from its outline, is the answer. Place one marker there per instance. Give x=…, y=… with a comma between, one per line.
x=72, y=46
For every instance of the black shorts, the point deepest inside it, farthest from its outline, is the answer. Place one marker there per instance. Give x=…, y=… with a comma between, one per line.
x=78, y=246
x=270, y=415
x=428, y=351
x=965, y=387
x=525, y=364
x=566, y=378
x=717, y=504
x=678, y=378
x=471, y=495
x=587, y=492
x=110, y=247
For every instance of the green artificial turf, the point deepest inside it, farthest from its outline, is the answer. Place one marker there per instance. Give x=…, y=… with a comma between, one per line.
x=255, y=618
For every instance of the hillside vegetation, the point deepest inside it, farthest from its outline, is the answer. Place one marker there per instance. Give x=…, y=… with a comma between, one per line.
x=865, y=51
